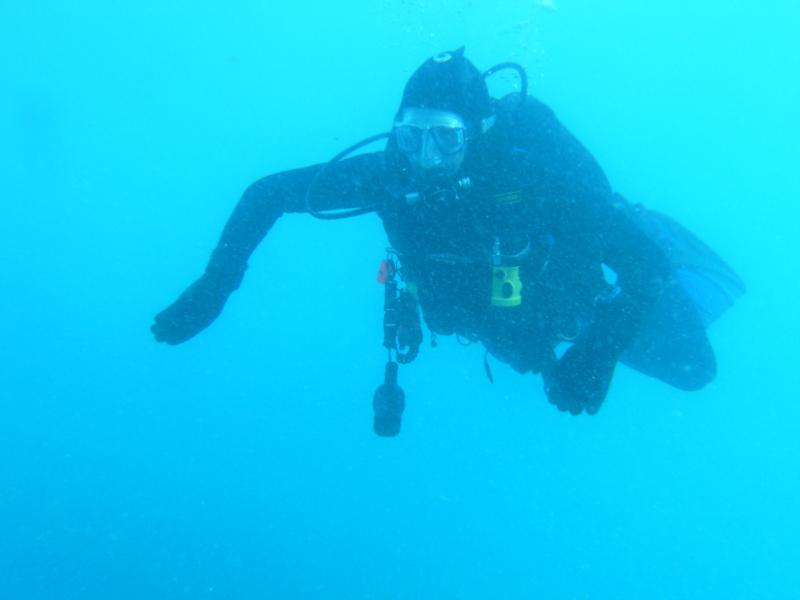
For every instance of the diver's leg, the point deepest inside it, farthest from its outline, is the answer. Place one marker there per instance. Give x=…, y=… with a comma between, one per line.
x=673, y=345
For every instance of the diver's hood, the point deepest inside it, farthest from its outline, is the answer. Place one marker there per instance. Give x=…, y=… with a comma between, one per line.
x=450, y=82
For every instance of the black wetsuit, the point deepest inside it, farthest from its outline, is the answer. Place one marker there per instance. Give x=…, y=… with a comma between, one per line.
x=529, y=188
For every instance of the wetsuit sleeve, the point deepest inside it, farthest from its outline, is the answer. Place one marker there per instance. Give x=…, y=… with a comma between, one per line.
x=352, y=183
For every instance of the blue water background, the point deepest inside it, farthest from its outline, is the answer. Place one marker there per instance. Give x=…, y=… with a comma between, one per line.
x=243, y=464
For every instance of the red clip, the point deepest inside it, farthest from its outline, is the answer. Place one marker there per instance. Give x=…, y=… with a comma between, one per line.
x=386, y=271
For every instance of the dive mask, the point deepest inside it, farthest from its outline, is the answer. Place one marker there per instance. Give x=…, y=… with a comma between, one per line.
x=433, y=140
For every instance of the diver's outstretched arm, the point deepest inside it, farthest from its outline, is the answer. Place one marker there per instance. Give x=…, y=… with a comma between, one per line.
x=350, y=183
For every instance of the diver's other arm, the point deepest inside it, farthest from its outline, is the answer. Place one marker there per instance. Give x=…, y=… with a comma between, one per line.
x=580, y=379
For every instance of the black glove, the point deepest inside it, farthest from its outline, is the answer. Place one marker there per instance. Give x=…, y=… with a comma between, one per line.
x=580, y=379
x=193, y=311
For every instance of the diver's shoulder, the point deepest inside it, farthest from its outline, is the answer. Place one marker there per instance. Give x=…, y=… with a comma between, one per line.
x=513, y=112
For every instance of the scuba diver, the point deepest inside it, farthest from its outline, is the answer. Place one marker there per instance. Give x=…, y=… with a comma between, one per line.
x=505, y=231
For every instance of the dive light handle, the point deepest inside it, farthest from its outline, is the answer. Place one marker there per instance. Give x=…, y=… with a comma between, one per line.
x=390, y=316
